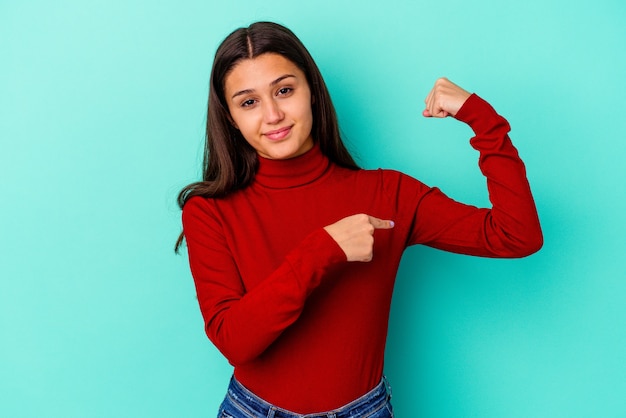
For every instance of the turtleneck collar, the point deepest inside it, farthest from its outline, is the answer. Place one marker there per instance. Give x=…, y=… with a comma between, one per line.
x=293, y=172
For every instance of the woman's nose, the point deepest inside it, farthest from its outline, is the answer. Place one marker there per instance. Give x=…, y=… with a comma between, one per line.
x=272, y=113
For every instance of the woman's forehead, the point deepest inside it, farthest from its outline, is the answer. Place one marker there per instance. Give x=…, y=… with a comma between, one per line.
x=260, y=71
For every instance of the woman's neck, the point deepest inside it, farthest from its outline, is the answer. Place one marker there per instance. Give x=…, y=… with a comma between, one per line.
x=292, y=172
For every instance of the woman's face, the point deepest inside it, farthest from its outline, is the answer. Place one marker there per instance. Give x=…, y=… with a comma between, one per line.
x=269, y=101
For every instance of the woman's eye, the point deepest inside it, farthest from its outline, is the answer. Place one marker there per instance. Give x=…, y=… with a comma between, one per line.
x=247, y=103
x=285, y=90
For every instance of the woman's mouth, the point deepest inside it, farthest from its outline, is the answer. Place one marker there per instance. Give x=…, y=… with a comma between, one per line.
x=278, y=134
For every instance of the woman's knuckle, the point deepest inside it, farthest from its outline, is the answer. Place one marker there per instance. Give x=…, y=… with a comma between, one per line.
x=362, y=217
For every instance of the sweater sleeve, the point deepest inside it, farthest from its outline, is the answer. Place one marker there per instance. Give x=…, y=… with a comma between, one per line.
x=242, y=322
x=511, y=227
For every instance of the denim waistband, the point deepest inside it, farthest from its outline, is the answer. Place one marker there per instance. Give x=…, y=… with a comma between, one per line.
x=248, y=402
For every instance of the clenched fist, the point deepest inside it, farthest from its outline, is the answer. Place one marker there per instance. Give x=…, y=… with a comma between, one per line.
x=445, y=99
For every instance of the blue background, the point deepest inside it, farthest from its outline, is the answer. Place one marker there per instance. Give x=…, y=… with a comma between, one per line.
x=102, y=110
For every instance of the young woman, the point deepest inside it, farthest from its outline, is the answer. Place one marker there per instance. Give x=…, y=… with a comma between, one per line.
x=294, y=249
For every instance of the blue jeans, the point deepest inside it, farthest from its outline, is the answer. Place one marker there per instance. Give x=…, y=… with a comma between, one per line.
x=241, y=403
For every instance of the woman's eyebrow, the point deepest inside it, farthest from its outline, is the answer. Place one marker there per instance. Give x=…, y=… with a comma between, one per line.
x=281, y=78
x=272, y=84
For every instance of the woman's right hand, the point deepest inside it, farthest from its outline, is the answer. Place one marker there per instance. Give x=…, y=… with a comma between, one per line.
x=355, y=235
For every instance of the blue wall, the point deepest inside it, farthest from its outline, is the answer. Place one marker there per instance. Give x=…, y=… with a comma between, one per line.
x=102, y=106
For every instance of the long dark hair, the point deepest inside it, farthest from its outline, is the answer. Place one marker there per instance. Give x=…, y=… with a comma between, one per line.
x=230, y=163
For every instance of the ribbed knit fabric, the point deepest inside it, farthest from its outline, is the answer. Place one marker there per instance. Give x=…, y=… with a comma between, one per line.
x=304, y=328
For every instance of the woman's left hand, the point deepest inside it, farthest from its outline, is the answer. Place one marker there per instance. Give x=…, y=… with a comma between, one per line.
x=445, y=99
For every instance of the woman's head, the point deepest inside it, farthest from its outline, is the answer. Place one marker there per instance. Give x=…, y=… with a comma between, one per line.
x=269, y=102
x=224, y=140
x=270, y=38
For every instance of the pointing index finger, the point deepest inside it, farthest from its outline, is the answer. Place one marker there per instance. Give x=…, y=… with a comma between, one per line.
x=380, y=223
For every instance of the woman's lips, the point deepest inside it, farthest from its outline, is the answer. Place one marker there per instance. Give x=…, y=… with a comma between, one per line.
x=278, y=134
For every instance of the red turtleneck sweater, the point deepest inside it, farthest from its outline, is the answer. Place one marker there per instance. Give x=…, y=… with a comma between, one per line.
x=304, y=328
